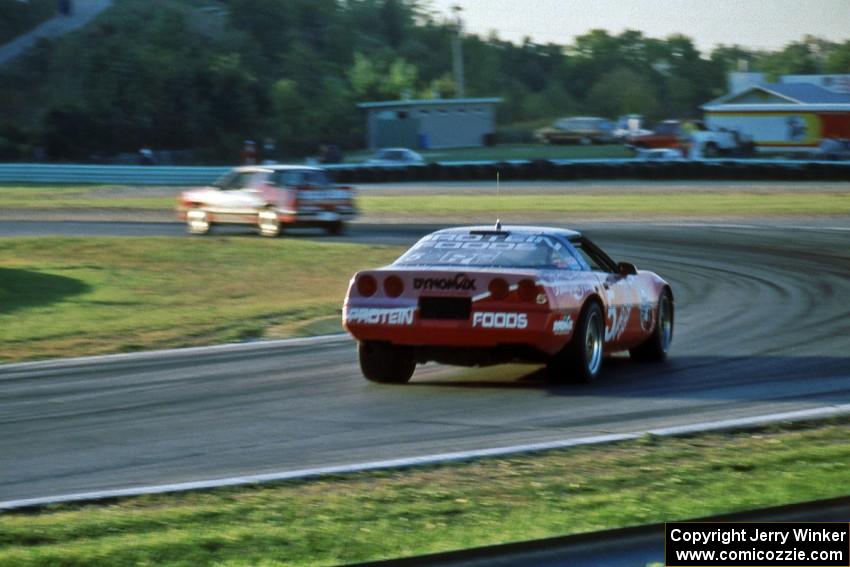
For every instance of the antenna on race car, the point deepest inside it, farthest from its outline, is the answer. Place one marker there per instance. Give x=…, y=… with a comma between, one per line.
x=498, y=195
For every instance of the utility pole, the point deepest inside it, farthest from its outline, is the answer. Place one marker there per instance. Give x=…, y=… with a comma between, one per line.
x=457, y=52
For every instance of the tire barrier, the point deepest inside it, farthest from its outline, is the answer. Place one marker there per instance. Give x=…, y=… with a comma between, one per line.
x=514, y=170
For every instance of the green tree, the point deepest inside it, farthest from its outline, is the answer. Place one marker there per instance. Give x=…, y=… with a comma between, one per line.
x=623, y=91
x=838, y=59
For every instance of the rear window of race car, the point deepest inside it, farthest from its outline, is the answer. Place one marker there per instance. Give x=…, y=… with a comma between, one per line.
x=490, y=250
x=294, y=177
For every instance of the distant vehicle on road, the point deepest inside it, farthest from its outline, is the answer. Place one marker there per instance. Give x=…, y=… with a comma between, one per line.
x=578, y=130
x=667, y=134
x=475, y=296
x=832, y=149
x=270, y=197
x=395, y=156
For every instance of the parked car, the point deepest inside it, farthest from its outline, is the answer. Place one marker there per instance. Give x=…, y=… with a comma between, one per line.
x=667, y=134
x=475, y=296
x=629, y=126
x=578, y=130
x=832, y=149
x=395, y=156
x=271, y=198
x=717, y=142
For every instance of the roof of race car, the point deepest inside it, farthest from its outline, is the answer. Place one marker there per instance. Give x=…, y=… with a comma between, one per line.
x=276, y=167
x=521, y=229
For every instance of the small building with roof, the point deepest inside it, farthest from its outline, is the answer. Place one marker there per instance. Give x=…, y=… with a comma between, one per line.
x=431, y=123
x=794, y=114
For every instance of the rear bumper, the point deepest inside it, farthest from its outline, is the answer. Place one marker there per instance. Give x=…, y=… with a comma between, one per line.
x=483, y=330
x=320, y=216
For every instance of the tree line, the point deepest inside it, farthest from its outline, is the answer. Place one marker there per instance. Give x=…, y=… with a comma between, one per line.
x=204, y=76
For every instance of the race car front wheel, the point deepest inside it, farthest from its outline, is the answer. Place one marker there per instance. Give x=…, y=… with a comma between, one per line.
x=197, y=221
x=655, y=348
x=581, y=360
x=269, y=223
x=384, y=363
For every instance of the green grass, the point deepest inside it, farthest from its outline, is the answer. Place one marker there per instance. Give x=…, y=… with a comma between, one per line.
x=388, y=514
x=64, y=297
x=699, y=202
x=83, y=197
x=514, y=151
x=684, y=204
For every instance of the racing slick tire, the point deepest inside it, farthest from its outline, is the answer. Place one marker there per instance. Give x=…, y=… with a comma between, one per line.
x=384, y=363
x=198, y=221
x=268, y=223
x=654, y=349
x=581, y=360
x=335, y=228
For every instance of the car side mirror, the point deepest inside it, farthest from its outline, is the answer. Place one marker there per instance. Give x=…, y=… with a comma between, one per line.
x=626, y=269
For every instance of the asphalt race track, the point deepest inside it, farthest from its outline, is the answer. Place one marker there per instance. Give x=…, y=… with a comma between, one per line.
x=762, y=326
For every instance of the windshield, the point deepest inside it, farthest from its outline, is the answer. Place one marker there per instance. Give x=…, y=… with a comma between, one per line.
x=489, y=249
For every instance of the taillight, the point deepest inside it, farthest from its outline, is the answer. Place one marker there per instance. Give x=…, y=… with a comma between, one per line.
x=527, y=290
x=393, y=286
x=366, y=286
x=498, y=288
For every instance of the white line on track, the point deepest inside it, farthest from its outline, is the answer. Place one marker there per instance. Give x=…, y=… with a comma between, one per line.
x=798, y=415
x=697, y=224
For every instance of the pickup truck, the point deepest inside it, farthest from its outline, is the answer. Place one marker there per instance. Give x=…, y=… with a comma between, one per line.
x=710, y=143
x=269, y=197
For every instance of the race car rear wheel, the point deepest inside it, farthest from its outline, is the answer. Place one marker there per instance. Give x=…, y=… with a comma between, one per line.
x=335, y=228
x=384, y=363
x=581, y=360
x=655, y=348
x=198, y=221
x=269, y=223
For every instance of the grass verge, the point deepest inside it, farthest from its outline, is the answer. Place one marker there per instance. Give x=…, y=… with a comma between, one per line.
x=647, y=204
x=515, y=151
x=696, y=203
x=378, y=515
x=76, y=296
x=53, y=197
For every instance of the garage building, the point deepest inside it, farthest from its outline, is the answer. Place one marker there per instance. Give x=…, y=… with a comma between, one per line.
x=431, y=123
x=795, y=114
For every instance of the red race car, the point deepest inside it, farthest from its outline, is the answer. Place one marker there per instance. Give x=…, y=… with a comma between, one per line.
x=476, y=296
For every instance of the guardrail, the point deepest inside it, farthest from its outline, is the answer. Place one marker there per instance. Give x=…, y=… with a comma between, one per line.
x=560, y=170
x=566, y=170
x=118, y=174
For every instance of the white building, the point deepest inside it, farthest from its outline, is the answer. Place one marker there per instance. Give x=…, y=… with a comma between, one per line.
x=794, y=114
x=431, y=123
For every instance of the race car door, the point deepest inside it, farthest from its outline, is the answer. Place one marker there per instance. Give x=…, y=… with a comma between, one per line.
x=618, y=293
x=235, y=196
